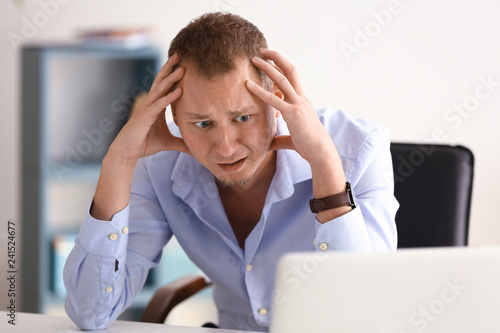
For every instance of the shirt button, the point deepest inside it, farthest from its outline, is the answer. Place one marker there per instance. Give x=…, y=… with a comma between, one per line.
x=125, y=230
x=113, y=236
x=314, y=241
x=108, y=289
x=323, y=246
x=262, y=311
x=249, y=268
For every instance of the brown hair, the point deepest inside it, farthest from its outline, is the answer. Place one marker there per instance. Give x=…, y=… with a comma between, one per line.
x=212, y=43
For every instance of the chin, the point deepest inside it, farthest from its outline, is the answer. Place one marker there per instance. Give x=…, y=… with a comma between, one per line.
x=233, y=181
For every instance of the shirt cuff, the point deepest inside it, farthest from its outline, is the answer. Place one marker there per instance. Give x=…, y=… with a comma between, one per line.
x=345, y=233
x=105, y=238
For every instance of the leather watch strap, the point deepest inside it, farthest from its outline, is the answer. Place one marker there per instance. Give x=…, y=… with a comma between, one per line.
x=332, y=201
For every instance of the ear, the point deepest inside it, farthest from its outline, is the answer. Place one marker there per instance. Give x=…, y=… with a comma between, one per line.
x=275, y=90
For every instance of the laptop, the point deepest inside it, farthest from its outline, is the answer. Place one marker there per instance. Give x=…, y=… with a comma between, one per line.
x=410, y=291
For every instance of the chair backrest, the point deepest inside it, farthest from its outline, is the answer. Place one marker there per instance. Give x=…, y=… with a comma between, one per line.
x=433, y=184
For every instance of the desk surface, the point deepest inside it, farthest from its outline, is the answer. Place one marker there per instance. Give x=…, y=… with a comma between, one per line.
x=30, y=322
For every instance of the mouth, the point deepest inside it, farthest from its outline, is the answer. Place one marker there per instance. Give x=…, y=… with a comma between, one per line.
x=232, y=167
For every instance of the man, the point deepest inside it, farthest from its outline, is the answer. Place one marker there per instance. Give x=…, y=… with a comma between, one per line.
x=234, y=182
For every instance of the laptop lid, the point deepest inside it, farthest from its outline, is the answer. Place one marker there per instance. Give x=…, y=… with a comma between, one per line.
x=418, y=290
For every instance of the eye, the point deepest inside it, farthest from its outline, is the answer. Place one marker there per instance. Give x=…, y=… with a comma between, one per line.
x=203, y=124
x=242, y=119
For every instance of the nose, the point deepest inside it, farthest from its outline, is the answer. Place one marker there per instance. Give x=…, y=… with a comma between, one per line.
x=226, y=141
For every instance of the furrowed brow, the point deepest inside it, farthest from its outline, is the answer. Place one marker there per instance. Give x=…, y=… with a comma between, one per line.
x=241, y=112
x=196, y=116
x=235, y=113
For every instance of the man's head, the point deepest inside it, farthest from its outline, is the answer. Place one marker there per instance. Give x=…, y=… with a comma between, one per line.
x=212, y=43
x=226, y=128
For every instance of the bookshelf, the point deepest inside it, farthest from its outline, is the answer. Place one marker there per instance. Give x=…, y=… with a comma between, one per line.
x=75, y=99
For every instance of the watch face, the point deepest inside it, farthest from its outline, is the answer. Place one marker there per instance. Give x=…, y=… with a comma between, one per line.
x=352, y=196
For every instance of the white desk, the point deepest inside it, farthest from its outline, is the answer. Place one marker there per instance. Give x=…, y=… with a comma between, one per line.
x=29, y=322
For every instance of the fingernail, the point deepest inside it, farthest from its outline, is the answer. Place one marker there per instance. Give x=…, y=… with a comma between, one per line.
x=255, y=58
x=250, y=83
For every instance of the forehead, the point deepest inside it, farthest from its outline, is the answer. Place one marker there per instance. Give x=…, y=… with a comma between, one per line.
x=213, y=71
x=226, y=92
x=243, y=70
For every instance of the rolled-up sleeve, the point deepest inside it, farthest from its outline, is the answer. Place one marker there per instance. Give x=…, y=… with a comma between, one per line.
x=370, y=227
x=110, y=261
x=89, y=272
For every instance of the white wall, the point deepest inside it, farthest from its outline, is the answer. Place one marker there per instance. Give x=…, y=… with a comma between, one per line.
x=424, y=58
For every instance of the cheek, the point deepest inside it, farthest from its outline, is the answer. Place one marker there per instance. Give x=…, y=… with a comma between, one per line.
x=195, y=142
x=263, y=136
x=272, y=124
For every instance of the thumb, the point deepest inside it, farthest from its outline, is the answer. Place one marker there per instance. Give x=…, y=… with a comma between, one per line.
x=282, y=142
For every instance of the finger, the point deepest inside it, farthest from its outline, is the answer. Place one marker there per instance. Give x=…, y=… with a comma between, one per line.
x=161, y=103
x=267, y=97
x=281, y=80
x=148, y=115
x=278, y=69
x=282, y=142
x=289, y=70
x=164, y=87
x=166, y=69
x=171, y=142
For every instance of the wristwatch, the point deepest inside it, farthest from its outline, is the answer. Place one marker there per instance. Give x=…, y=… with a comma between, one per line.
x=346, y=198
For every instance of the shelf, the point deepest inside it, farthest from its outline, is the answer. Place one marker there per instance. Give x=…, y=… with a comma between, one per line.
x=75, y=99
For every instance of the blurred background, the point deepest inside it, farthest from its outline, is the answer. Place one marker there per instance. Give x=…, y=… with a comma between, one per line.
x=427, y=70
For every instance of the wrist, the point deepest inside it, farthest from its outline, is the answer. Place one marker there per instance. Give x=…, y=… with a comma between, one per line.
x=344, y=198
x=117, y=162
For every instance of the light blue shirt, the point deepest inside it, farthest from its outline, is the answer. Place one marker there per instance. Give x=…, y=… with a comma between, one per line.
x=173, y=194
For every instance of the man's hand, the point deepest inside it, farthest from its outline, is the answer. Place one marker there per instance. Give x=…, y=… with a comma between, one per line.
x=307, y=136
x=145, y=133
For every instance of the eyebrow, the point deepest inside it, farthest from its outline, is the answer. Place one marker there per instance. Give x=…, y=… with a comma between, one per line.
x=198, y=116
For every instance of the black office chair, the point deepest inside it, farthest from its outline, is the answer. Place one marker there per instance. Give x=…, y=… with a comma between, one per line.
x=433, y=184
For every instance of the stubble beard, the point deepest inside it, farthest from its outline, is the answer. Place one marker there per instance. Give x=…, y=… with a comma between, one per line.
x=238, y=182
